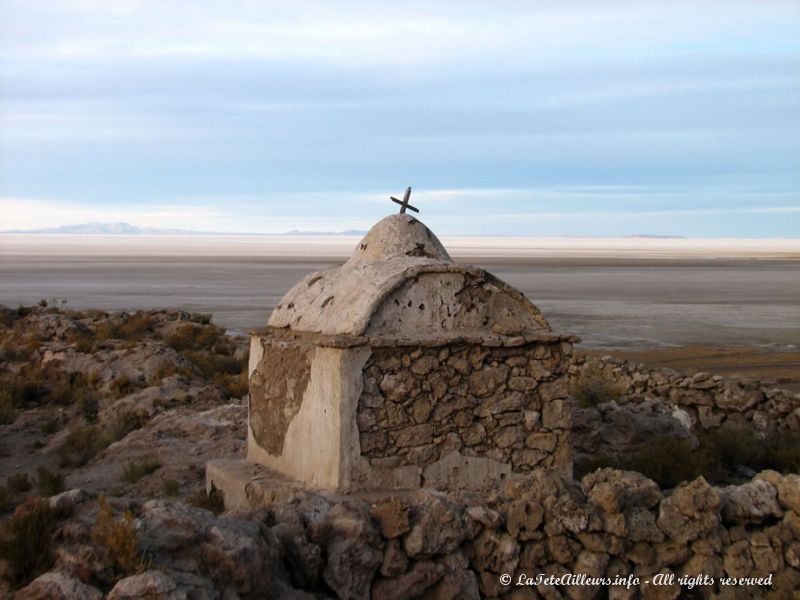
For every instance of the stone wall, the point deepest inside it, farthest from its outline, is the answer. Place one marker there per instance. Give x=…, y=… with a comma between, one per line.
x=709, y=400
x=614, y=523
x=505, y=403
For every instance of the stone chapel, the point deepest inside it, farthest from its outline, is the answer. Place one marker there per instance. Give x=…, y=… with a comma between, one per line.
x=402, y=369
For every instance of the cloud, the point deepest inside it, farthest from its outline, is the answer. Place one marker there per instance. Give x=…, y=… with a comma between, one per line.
x=276, y=115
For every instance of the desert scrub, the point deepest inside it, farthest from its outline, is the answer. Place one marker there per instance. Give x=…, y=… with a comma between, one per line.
x=731, y=447
x=235, y=386
x=49, y=483
x=125, y=327
x=82, y=340
x=167, y=368
x=782, y=452
x=16, y=485
x=123, y=385
x=592, y=386
x=46, y=384
x=72, y=388
x=26, y=539
x=118, y=540
x=83, y=443
x=136, y=469
x=192, y=336
x=669, y=460
x=213, y=354
x=19, y=483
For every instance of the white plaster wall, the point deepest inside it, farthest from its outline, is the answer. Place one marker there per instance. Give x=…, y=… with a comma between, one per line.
x=312, y=444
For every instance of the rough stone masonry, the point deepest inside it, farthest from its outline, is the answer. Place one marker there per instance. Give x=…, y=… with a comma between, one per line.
x=402, y=369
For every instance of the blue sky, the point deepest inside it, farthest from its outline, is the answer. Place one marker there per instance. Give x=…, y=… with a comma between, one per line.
x=519, y=118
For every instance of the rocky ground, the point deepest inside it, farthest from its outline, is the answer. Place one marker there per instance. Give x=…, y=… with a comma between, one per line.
x=89, y=396
x=124, y=409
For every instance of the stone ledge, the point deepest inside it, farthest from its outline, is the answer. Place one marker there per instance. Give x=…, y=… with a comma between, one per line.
x=246, y=485
x=352, y=341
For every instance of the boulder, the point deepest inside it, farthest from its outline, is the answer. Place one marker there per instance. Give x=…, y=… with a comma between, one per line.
x=749, y=503
x=57, y=585
x=412, y=584
x=353, y=550
x=458, y=581
x=613, y=491
x=691, y=511
x=787, y=486
x=437, y=527
x=150, y=584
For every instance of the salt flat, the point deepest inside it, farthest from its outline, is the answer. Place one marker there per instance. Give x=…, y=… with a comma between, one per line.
x=342, y=246
x=629, y=293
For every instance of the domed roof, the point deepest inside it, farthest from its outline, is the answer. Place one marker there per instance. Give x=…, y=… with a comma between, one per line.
x=400, y=281
x=398, y=236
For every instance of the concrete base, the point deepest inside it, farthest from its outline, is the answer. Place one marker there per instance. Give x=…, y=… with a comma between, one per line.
x=246, y=485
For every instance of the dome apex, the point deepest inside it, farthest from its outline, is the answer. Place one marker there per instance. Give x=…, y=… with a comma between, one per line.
x=399, y=236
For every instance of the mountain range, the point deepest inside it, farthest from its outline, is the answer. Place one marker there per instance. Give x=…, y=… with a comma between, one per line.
x=128, y=229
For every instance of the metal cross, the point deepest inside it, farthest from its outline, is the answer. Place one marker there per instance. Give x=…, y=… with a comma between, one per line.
x=404, y=203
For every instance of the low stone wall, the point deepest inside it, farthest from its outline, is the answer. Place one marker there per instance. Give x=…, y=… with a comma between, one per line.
x=458, y=545
x=504, y=403
x=709, y=400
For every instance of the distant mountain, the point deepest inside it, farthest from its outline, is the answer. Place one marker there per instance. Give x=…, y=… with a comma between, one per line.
x=346, y=232
x=128, y=229
x=656, y=237
x=104, y=229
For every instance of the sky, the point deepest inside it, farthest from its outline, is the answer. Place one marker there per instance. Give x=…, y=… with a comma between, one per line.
x=592, y=118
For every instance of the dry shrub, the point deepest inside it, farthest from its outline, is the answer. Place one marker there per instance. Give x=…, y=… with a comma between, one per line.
x=731, y=447
x=718, y=457
x=123, y=385
x=136, y=469
x=136, y=326
x=26, y=539
x=118, y=539
x=83, y=443
x=43, y=384
x=592, y=386
x=213, y=355
x=195, y=337
x=200, y=318
x=669, y=460
x=18, y=483
x=168, y=368
x=49, y=483
x=83, y=341
x=782, y=452
x=24, y=311
x=131, y=328
x=235, y=386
